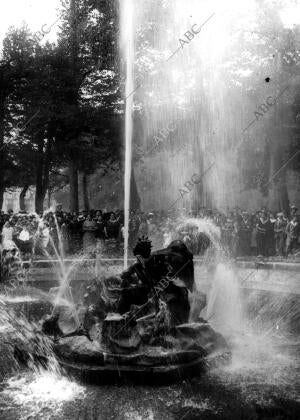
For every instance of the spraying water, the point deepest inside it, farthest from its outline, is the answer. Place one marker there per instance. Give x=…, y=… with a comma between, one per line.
x=38, y=389
x=224, y=310
x=63, y=272
x=127, y=11
x=203, y=225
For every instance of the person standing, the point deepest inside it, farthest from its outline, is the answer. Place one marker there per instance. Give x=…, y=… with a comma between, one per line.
x=236, y=234
x=280, y=235
x=253, y=243
x=271, y=236
x=263, y=227
x=65, y=237
x=53, y=233
x=227, y=235
x=134, y=223
x=244, y=234
x=7, y=234
x=143, y=227
x=294, y=211
x=75, y=230
x=100, y=232
x=112, y=227
x=44, y=236
x=25, y=242
x=292, y=231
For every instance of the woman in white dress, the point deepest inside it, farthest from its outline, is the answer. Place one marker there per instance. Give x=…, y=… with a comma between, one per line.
x=7, y=236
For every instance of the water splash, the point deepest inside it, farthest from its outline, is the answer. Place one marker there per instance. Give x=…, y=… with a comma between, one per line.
x=224, y=305
x=41, y=394
x=203, y=225
x=261, y=369
x=37, y=392
x=206, y=405
x=265, y=357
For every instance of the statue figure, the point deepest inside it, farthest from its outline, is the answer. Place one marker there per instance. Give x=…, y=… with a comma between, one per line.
x=143, y=303
x=152, y=296
x=165, y=275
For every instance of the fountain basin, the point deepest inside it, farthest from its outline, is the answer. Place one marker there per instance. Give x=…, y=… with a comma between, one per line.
x=191, y=349
x=95, y=374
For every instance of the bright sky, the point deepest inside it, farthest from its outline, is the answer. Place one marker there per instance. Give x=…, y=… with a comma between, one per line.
x=291, y=15
x=35, y=13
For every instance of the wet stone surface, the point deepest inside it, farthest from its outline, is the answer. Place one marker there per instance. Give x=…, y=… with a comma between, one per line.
x=237, y=391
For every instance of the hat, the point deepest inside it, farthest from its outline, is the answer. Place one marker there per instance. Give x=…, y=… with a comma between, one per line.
x=280, y=214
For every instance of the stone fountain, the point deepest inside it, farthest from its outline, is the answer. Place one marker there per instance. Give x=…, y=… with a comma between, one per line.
x=137, y=325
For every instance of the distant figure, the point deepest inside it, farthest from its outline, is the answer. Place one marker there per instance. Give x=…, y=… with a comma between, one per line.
x=294, y=211
x=75, y=230
x=244, y=234
x=25, y=242
x=89, y=234
x=100, y=232
x=7, y=235
x=65, y=237
x=292, y=231
x=280, y=235
x=263, y=227
x=271, y=236
x=45, y=235
x=143, y=228
x=112, y=226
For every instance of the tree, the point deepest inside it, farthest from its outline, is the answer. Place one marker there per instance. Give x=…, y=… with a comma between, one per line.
x=13, y=74
x=87, y=31
x=32, y=105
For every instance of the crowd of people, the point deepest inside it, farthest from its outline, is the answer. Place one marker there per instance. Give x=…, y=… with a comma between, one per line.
x=59, y=230
x=262, y=233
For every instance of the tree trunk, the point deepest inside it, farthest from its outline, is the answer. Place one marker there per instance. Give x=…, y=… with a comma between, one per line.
x=22, y=197
x=74, y=48
x=40, y=192
x=2, y=151
x=135, y=201
x=42, y=173
x=39, y=203
x=73, y=177
x=39, y=200
x=2, y=190
x=85, y=195
x=283, y=197
x=278, y=193
x=49, y=197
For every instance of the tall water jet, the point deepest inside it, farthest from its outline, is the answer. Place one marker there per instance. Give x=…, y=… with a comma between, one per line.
x=127, y=39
